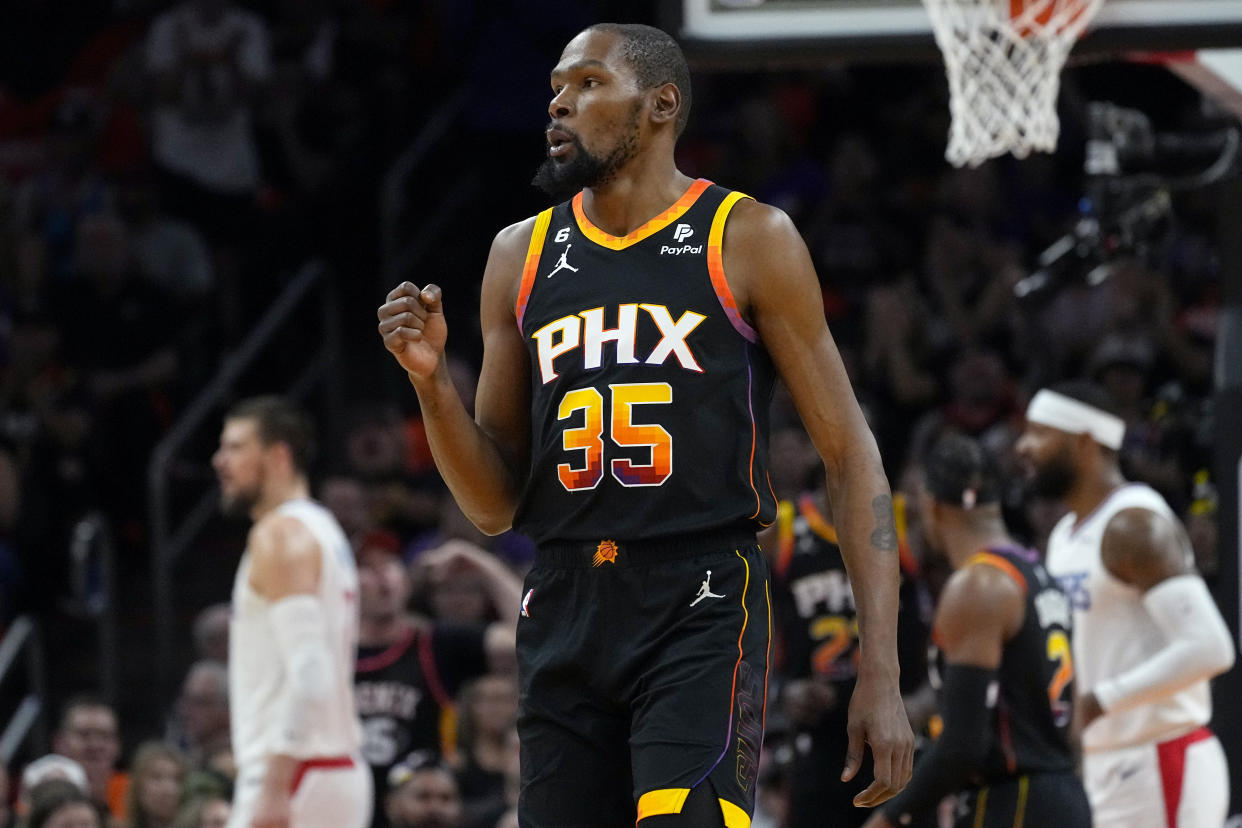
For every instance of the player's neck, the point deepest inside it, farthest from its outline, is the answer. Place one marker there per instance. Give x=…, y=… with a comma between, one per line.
x=1090, y=490
x=640, y=191
x=381, y=631
x=967, y=540
x=276, y=494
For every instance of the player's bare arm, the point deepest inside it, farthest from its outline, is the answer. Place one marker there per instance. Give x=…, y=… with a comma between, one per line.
x=285, y=562
x=1142, y=548
x=980, y=609
x=773, y=280
x=1152, y=553
x=483, y=460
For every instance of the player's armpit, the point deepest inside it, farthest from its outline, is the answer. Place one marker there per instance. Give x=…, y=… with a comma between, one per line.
x=1143, y=548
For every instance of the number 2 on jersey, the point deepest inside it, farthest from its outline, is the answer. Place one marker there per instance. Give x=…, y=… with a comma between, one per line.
x=623, y=431
x=1058, y=650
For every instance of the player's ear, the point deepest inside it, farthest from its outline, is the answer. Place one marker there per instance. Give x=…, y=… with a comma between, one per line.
x=665, y=104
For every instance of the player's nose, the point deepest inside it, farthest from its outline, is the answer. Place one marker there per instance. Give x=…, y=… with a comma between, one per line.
x=560, y=106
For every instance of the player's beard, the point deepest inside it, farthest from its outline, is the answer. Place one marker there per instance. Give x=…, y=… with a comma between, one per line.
x=240, y=503
x=563, y=179
x=1055, y=476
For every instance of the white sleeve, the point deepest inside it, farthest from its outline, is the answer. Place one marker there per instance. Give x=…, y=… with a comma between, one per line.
x=302, y=636
x=1197, y=646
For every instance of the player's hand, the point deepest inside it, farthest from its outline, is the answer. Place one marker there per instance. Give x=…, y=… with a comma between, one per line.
x=878, y=718
x=271, y=811
x=411, y=322
x=1088, y=710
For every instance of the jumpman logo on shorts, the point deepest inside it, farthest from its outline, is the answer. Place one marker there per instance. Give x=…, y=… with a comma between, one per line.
x=563, y=262
x=705, y=590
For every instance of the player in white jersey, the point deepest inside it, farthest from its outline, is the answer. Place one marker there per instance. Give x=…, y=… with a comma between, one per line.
x=296, y=736
x=1147, y=634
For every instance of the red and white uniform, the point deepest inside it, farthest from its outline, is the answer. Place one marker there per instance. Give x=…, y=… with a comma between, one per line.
x=1155, y=765
x=333, y=786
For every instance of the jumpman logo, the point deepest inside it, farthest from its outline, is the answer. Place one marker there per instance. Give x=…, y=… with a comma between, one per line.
x=705, y=590
x=563, y=262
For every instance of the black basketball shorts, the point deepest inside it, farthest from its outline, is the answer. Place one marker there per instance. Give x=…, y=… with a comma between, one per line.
x=1053, y=799
x=643, y=671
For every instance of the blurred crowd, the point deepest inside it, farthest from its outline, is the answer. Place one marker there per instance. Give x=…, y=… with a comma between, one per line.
x=164, y=167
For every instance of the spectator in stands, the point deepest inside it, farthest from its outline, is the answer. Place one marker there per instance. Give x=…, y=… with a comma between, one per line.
x=203, y=712
x=409, y=670
x=347, y=499
x=488, y=708
x=209, y=61
x=204, y=811
x=49, y=205
x=211, y=633
x=117, y=333
x=58, y=803
x=423, y=794
x=155, y=787
x=88, y=734
x=52, y=766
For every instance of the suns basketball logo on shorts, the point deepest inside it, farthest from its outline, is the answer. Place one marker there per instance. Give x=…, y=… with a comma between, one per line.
x=606, y=552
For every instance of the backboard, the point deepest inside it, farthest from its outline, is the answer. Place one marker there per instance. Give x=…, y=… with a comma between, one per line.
x=781, y=31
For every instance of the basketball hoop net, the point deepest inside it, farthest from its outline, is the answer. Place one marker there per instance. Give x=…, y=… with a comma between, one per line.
x=1004, y=59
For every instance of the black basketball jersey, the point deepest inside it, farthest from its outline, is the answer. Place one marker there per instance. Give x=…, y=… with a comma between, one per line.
x=1035, y=690
x=650, y=392
x=818, y=621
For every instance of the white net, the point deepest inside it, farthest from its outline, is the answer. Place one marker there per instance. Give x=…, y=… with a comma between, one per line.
x=1004, y=59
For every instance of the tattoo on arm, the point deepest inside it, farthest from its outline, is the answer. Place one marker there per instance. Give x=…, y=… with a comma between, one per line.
x=885, y=534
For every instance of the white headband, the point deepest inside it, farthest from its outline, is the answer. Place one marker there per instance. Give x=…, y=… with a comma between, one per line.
x=1061, y=412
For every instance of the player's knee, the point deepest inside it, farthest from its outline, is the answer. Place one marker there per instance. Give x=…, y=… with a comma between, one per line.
x=701, y=810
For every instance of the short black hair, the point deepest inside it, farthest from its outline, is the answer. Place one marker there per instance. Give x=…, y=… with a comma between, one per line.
x=1090, y=393
x=656, y=59
x=959, y=472
x=280, y=420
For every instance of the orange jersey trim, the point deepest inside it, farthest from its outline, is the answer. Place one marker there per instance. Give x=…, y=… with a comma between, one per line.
x=992, y=559
x=715, y=267
x=821, y=527
x=676, y=211
x=533, y=251
x=905, y=556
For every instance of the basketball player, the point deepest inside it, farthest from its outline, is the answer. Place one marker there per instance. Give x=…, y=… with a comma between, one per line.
x=632, y=335
x=1003, y=662
x=296, y=736
x=818, y=633
x=1147, y=634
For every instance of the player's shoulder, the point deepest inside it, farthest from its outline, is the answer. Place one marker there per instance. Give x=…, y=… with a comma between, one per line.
x=751, y=220
x=516, y=237
x=988, y=577
x=1142, y=546
x=507, y=257
x=282, y=539
x=981, y=593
